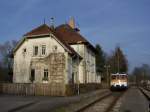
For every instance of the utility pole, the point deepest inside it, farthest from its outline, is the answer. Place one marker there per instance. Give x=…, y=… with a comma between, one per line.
x=108, y=76
x=118, y=61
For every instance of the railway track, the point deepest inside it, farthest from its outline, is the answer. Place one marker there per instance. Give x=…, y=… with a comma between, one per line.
x=144, y=93
x=106, y=104
x=147, y=95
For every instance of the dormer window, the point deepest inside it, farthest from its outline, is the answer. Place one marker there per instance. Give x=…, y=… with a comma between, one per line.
x=43, y=49
x=35, y=52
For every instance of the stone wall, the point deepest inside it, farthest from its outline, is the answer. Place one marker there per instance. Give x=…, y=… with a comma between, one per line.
x=55, y=63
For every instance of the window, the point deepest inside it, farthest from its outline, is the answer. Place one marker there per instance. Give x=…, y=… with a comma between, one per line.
x=24, y=50
x=123, y=77
x=113, y=77
x=35, y=50
x=32, y=77
x=45, y=74
x=43, y=49
x=72, y=78
x=54, y=48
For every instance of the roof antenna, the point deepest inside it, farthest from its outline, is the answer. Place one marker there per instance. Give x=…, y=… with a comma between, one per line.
x=44, y=20
x=78, y=26
x=52, y=22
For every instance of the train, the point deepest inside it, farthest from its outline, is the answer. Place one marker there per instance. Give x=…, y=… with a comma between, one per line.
x=118, y=81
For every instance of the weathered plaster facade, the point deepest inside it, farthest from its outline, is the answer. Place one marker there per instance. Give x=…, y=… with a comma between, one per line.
x=57, y=61
x=63, y=61
x=87, y=73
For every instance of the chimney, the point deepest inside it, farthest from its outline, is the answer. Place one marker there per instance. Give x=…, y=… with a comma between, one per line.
x=71, y=23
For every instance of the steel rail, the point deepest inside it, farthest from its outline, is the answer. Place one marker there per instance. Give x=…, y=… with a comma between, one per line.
x=91, y=104
x=113, y=103
x=146, y=96
x=110, y=105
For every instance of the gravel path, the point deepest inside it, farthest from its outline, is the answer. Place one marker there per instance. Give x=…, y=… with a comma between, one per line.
x=134, y=101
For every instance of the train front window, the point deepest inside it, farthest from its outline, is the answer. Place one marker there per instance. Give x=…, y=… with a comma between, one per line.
x=117, y=77
x=113, y=77
x=123, y=77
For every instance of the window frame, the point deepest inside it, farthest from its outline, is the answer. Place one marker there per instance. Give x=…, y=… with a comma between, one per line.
x=35, y=53
x=43, y=49
x=32, y=75
x=46, y=74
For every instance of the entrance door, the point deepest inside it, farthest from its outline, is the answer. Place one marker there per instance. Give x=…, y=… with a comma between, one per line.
x=32, y=77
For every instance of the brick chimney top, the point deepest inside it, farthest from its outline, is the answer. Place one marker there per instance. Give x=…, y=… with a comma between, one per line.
x=71, y=23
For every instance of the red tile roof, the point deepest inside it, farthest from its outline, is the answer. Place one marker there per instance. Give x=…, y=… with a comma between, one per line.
x=69, y=35
x=43, y=29
x=46, y=30
x=68, y=46
x=64, y=33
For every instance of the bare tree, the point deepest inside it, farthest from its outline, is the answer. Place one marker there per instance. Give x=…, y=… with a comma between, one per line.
x=6, y=54
x=142, y=74
x=118, y=61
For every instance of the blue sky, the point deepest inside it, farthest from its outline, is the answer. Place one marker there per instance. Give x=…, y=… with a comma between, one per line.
x=107, y=22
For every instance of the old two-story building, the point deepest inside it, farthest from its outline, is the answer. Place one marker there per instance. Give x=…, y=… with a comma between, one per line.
x=49, y=54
